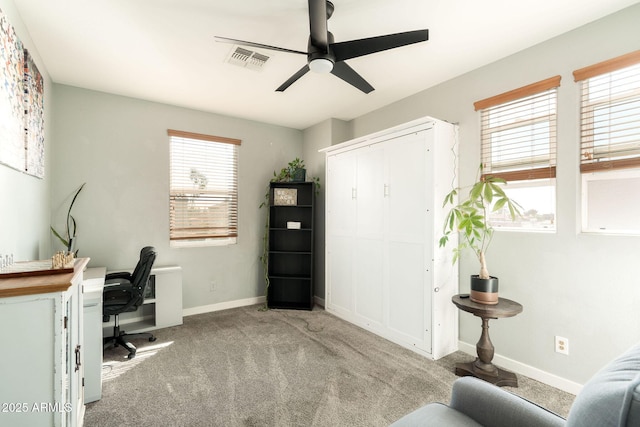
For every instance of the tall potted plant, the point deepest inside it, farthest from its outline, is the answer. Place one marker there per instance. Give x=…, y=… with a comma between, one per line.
x=70, y=226
x=470, y=218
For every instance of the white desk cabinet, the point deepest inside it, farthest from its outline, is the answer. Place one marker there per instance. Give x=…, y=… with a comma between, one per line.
x=41, y=364
x=161, y=309
x=93, y=285
x=384, y=269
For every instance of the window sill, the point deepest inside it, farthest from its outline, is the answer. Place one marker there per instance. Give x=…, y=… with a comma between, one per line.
x=621, y=233
x=526, y=230
x=202, y=243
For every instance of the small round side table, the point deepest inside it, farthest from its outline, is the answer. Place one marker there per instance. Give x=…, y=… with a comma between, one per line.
x=482, y=367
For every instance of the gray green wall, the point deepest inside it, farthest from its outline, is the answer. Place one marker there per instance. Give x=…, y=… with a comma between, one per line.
x=582, y=287
x=120, y=148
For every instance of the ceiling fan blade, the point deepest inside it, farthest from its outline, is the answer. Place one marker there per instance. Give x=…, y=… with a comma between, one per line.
x=301, y=72
x=361, y=47
x=258, y=45
x=348, y=74
x=318, y=24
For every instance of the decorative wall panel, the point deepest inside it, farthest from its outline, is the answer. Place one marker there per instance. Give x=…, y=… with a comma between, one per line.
x=21, y=105
x=12, y=152
x=34, y=117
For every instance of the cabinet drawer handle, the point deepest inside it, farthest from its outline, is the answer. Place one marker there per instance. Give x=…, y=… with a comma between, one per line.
x=77, y=358
x=353, y=193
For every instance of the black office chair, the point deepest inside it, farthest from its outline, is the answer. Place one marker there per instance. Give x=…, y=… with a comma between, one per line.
x=124, y=292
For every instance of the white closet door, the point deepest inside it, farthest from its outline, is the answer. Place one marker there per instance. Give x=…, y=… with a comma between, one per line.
x=369, y=254
x=370, y=192
x=341, y=226
x=407, y=287
x=384, y=269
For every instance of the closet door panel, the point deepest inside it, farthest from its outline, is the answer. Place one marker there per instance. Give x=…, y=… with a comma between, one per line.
x=369, y=279
x=405, y=188
x=341, y=194
x=406, y=293
x=370, y=192
x=340, y=261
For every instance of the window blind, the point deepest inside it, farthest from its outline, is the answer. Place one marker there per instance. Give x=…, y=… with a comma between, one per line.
x=203, y=199
x=610, y=114
x=518, y=132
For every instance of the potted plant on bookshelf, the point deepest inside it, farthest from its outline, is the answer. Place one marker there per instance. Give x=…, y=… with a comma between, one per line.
x=470, y=218
x=70, y=226
x=296, y=170
x=289, y=173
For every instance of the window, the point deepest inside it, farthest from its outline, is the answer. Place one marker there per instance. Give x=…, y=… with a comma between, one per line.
x=518, y=144
x=610, y=144
x=203, y=199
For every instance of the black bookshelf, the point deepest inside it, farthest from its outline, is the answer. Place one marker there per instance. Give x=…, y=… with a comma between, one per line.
x=291, y=245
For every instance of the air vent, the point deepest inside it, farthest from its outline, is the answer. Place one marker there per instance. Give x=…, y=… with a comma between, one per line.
x=246, y=58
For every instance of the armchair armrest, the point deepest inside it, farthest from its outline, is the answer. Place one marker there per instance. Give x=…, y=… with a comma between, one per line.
x=490, y=405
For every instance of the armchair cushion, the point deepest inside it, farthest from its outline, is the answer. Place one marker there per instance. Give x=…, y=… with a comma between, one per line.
x=612, y=396
x=475, y=402
x=493, y=406
x=436, y=414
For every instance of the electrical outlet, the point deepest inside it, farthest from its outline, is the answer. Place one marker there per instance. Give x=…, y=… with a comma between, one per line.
x=212, y=286
x=562, y=345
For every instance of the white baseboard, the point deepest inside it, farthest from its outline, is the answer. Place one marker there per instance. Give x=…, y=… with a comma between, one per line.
x=223, y=306
x=233, y=304
x=526, y=370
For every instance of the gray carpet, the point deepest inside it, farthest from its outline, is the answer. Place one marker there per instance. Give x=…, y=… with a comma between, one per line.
x=246, y=367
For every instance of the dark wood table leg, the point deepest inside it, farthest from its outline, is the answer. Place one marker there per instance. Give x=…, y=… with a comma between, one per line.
x=482, y=367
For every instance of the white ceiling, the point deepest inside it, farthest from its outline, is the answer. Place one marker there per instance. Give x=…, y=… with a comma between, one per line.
x=164, y=50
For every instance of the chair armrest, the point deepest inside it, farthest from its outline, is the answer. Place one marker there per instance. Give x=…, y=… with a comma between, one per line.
x=123, y=285
x=118, y=275
x=490, y=405
x=118, y=283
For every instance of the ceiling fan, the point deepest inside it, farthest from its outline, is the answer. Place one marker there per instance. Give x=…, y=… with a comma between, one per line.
x=326, y=56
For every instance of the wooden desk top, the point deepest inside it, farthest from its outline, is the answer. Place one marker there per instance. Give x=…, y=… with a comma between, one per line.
x=17, y=286
x=504, y=307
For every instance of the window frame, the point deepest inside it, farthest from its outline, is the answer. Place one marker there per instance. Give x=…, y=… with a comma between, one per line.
x=200, y=231
x=619, y=160
x=603, y=177
x=587, y=147
x=532, y=170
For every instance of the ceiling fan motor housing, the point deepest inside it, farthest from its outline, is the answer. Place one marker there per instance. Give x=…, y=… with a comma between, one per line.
x=321, y=60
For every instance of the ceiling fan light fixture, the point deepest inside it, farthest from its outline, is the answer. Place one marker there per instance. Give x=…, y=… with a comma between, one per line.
x=321, y=65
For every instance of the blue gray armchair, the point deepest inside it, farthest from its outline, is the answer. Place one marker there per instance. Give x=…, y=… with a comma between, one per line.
x=610, y=399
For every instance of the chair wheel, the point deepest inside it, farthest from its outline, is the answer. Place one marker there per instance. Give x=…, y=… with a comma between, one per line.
x=131, y=355
x=152, y=339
